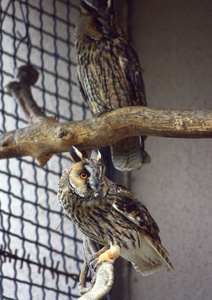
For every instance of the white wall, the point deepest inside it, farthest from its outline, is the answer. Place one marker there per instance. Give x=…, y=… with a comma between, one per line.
x=174, y=42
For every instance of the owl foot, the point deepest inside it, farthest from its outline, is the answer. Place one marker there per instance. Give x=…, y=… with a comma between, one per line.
x=106, y=254
x=96, y=256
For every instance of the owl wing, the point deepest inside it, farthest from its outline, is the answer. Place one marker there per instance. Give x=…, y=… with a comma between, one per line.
x=132, y=72
x=81, y=87
x=127, y=205
x=150, y=255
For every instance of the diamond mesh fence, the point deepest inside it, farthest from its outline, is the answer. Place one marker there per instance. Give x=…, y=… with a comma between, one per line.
x=37, y=259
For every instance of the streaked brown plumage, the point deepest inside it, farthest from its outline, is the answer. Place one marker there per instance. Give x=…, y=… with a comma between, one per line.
x=110, y=215
x=109, y=75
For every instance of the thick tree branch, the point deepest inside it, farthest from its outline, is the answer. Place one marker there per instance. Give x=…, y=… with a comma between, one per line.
x=45, y=136
x=49, y=136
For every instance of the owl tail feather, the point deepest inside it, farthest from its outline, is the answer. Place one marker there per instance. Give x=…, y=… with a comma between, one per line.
x=129, y=154
x=153, y=259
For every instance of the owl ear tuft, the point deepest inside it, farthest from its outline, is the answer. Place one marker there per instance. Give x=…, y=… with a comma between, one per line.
x=110, y=4
x=99, y=156
x=75, y=154
x=87, y=8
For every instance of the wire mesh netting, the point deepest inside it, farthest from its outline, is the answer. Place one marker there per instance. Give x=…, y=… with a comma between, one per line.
x=37, y=260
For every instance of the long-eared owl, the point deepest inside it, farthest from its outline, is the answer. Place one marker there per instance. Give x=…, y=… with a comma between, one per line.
x=109, y=75
x=109, y=214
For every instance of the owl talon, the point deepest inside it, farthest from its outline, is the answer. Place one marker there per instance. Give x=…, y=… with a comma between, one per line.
x=101, y=256
x=96, y=262
x=98, y=253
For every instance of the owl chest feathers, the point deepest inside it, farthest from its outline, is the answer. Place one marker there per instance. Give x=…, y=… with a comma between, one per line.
x=93, y=217
x=97, y=214
x=102, y=76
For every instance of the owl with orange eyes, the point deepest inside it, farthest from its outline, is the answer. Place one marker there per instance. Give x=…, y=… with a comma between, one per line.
x=110, y=215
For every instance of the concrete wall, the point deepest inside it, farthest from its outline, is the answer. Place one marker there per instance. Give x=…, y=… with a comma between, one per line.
x=174, y=42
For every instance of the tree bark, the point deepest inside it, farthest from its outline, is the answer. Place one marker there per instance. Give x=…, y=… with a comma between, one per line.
x=102, y=278
x=49, y=136
x=45, y=136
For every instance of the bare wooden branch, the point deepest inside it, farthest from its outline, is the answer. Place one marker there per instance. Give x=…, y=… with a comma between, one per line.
x=49, y=136
x=103, y=283
x=27, y=76
x=21, y=89
x=82, y=279
x=103, y=278
x=45, y=136
x=89, y=249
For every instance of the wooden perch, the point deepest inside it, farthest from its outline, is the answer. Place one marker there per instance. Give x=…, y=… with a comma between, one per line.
x=45, y=136
x=103, y=277
x=103, y=283
x=21, y=88
x=26, y=76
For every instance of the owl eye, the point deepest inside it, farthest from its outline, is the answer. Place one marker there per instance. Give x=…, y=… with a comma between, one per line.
x=97, y=25
x=83, y=175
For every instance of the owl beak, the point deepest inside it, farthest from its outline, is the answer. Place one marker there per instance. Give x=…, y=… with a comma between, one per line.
x=111, y=34
x=97, y=184
x=109, y=31
x=96, y=188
